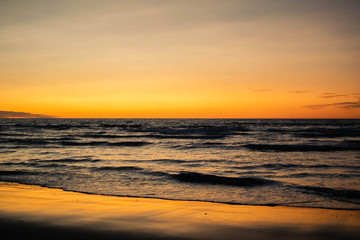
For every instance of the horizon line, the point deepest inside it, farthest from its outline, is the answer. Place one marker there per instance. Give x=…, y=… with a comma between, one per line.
x=320, y=118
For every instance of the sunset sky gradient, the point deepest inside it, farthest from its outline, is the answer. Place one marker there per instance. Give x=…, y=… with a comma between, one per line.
x=180, y=58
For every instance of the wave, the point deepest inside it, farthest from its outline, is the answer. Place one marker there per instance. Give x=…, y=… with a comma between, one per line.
x=7, y=151
x=200, y=178
x=155, y=136
x=281, y=166
x=216, y=127
x=67, y=160
x=187, y=132
x=276, y=166
x=114, y=136
x=18, y=164
x=347, y=145
x=347, y=195
x=186, y=136
x=28, y=141
x=178, y=161
x=35, y=141
x=327, y=132
x=40, y=164
x=92, y=143
x=105, y=143
x=122, y=126
x=53, y=165
x=202, y=145
x=118, y=168
x=170, y=161
x=129, y=144
x=316, y=132
x=14, y=134
x=322, y=175
x=59, y=127
x=15, y=173
x=301, y=147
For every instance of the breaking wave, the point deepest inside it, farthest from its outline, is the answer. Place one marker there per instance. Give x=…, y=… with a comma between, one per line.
x=347, y=195
x=200, y=178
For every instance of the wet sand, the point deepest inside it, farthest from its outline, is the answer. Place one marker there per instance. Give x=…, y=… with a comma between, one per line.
x=45, y=213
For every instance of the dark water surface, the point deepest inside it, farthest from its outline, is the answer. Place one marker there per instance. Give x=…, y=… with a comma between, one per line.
x=305, y=163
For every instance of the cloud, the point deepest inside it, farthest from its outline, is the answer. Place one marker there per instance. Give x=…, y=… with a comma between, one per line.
x=299, y=92
x=260, y=90
x=344, y=105
x=357, y=95
x=10, y=114
x=331, y=95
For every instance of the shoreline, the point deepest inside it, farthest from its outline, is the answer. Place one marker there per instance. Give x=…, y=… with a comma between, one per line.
x=182, y=200
x=40, y=211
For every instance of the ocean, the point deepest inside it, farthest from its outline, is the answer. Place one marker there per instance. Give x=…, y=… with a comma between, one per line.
x=270, y=162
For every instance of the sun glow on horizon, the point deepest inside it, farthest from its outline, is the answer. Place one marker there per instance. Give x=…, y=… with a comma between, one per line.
x=180, y=59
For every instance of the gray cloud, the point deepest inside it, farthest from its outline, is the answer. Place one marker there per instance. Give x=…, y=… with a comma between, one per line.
x=299, y=91
x=10, y=114
x=357, y=95
x=344, y=105
x=332, y=95
x=260, y=90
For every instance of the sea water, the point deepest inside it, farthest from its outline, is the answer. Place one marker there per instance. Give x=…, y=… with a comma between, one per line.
x=288, y=162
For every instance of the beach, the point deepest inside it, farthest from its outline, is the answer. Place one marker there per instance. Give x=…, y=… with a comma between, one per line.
x=180, y=120
x=28, y=210
x=197, y=179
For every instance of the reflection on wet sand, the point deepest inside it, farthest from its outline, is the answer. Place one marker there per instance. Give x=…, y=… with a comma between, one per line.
x=42, y=211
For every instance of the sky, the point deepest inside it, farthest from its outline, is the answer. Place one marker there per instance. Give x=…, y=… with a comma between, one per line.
x=180, y=58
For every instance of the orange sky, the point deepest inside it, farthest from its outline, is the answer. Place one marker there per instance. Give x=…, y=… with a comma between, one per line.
x=167, y=58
